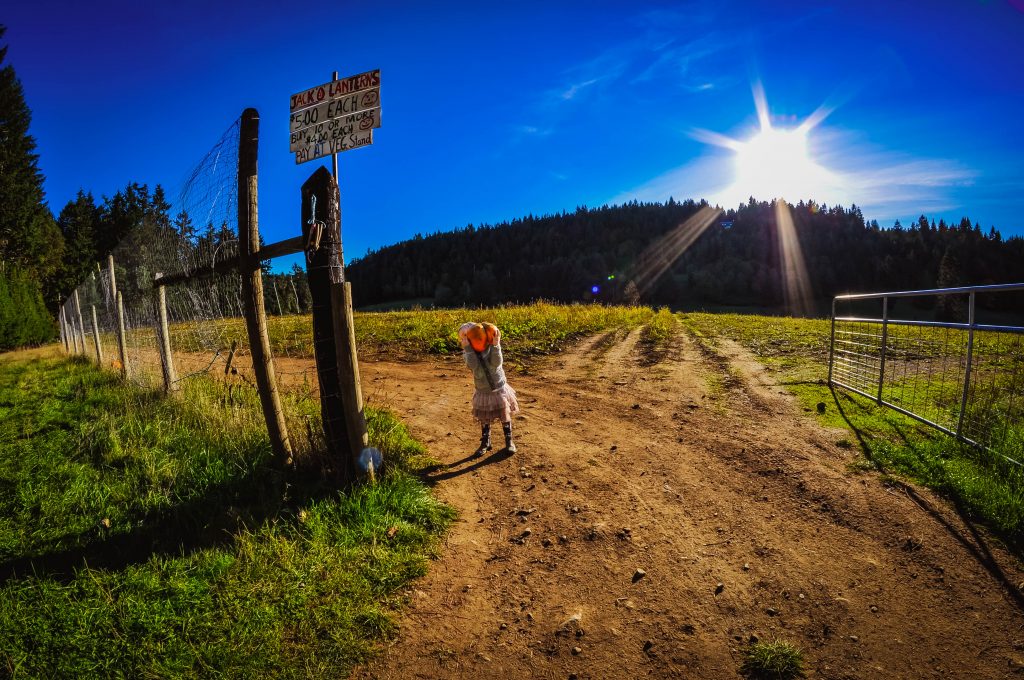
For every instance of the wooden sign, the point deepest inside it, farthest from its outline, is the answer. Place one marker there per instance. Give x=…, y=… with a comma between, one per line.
x=345, y=143
x=335, y=129
x=337, y=116
x=335, y=108
x=334, y=89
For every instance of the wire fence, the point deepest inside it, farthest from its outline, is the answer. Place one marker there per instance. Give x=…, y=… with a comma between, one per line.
x=956, y=374
x=192, y=241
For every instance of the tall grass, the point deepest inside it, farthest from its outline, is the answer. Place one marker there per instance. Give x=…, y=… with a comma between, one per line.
x=528, y=330
x=147, y=537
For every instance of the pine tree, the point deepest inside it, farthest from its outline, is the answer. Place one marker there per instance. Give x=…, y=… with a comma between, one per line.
x=950, y=307
x=29, y=238
x=79, y=223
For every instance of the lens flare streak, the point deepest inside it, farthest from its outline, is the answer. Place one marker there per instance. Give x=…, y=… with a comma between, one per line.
x=662, y=254
x=796, y=286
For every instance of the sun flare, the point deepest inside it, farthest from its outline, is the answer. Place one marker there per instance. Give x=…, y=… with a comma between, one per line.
x=775, y=162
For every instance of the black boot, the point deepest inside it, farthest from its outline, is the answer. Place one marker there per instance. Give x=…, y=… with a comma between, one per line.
x=485, y=440
x=509, y=444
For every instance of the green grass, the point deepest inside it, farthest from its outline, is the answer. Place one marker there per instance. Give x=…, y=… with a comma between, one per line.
x=147, y=537
x=660, y=328
x=527, y=330
x=982, y=484
x=776, y=660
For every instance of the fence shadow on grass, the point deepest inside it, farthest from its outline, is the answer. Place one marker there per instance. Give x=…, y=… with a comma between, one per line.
x=976, y=545
x=211, y=520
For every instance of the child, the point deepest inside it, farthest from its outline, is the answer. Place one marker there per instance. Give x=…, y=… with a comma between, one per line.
x=494, y=397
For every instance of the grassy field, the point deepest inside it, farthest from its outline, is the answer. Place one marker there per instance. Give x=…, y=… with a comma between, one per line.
x=528, y=330
x=146, y=537
x=983, y=484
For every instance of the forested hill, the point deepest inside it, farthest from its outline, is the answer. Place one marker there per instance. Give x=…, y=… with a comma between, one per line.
x=734, y=261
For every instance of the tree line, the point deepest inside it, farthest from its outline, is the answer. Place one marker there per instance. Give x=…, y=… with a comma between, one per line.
x=43, y=257
x=738, y=260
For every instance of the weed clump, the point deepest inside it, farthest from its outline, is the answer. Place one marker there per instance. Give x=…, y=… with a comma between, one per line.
x=776, y=660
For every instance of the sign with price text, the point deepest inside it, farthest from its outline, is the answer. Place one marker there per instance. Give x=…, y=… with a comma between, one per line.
x=334, y=117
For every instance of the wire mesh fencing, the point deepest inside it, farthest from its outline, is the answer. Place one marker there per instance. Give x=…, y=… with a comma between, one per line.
x=950, y=371
x=176, y=269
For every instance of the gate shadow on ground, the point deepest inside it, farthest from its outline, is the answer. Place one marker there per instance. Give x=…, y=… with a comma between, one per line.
x=212, y=519
x=447, y=471
x=978, y=547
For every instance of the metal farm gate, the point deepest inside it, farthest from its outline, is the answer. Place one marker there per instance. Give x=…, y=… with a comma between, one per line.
x=959, y=376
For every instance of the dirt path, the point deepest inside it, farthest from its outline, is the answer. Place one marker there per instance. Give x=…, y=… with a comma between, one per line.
x=701, y=472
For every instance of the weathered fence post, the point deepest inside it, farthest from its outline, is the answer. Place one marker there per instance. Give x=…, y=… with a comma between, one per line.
x=321, y=229
x=70, y=323
x=96, y=337
x=298, y=307
x=81, y=325
x=163, y=338
x=348, y=367
x=69, y=330
x=122, y=346
x=60, y=325
x=113, y=278
x=252, y=286
x=280, y=310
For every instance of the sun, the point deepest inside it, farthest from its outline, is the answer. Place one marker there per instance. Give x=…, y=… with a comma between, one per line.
x=775, y=163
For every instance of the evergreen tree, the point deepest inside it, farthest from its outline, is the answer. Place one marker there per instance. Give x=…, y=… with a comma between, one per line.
x=24, y=319
x=29, y=238
x=950, y=307
x=79, y=223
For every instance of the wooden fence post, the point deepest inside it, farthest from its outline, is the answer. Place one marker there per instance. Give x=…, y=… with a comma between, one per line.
x=321, y=230
x=113, y=278
x=163, y=339
x=96, y=337
x=69, y=332
x=348, y=367
x=298, y=307
x=122, y=347
x=280, y=310
x=252, y=287
x=60, y=327
x=74, y=332
x=80, y=325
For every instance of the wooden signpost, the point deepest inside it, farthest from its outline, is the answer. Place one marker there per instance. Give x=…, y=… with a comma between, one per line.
x=325, y=120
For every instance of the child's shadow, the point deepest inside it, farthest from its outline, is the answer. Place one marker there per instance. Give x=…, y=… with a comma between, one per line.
x=447, y=471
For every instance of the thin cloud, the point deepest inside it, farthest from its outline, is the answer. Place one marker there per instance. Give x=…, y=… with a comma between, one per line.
x=572, y=90
x=883, y=183
x=533, y=130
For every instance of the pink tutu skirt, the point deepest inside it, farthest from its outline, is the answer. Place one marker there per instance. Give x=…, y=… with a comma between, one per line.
x=499, y=404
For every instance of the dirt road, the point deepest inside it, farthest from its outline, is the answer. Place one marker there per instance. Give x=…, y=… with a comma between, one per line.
x=742, y=512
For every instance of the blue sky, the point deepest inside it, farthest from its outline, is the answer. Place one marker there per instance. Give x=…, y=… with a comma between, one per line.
x=493, y=112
